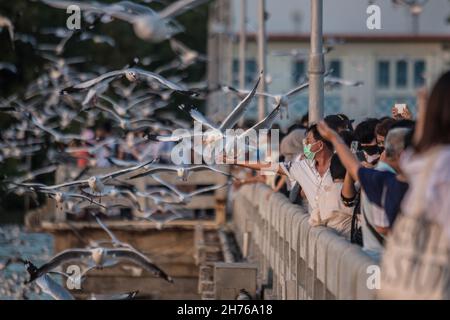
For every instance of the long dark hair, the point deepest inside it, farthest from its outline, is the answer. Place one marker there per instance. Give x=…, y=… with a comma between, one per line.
x=436, y=129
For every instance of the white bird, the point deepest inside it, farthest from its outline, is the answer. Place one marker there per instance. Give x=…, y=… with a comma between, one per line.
x=97, y=39
x=58, y=292
x=147, y=24
x=166, y=218
x=183, y=197
x=185, y=57
x=62, y=197
x=114, y=192
x=115, y=242
x=33, y=174
x=95, y=183
x=216, y=132
x=99, y=258
x=50, y=286
x=128, y=124
x=182, y=172
x=58, y=137
x=132, y=74
x=6, y=23
x=282, y=99
x=332, y=82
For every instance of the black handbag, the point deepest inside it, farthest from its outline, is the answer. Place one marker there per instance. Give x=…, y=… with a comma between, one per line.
x=356, y=229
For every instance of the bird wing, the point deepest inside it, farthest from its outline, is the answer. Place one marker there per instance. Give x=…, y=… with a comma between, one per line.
x=297, y=90
x=87, y=84
x=167, y=83
x=334, y=81
x=66, y=256
x=134, y=256
x=240, y=109
x=53, y=289
x=155, y=169
x=83, y=197
x=207, y=189
x=265, y=123
x=166, y=184
x=206, y=167
x=109, y=111
x=116, y=296
x=178, y=47
x=113, y=237
x=179, y=7
x=118, y=173
x=64, y=185
x=198, y=116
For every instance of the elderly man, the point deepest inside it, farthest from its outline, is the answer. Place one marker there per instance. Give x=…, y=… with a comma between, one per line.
x=383, y=188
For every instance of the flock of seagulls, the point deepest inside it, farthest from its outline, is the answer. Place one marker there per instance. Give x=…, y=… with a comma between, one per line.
x=55, y=118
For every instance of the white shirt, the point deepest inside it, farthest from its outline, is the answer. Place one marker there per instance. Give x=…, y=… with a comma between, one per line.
x=437, y=191
x=324, y=196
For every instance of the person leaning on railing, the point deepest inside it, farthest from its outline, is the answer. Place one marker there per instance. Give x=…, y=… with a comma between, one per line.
x=312, y=173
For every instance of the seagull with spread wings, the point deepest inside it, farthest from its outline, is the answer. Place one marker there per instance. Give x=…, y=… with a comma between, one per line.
x=148, y=24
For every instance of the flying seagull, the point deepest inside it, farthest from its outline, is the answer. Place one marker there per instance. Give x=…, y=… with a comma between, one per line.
x=217, y=131
x=132, y=74
x=98, y=257
x=148, y=24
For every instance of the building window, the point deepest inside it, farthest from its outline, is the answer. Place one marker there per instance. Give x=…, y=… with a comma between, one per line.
x=405, y=74
x=419, y=73
x=250, y=72
x=402, y=74
x=335, y=67
x=299, y=70
x=383, y=74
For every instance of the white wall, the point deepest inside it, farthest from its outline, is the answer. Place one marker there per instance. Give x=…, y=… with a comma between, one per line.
x=346, y=17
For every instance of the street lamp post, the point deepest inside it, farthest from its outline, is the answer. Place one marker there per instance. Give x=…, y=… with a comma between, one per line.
x=262, y=56
x=243, y=45
x=316, y=68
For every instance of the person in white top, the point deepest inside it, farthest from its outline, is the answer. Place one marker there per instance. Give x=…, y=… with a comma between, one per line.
x=432, y=135
x=312, y=172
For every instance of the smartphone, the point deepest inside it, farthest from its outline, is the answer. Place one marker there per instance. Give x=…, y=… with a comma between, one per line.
x=354, y=147
x=401, y=107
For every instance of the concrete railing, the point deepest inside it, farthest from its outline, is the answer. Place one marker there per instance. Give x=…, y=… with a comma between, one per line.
x=296, y=260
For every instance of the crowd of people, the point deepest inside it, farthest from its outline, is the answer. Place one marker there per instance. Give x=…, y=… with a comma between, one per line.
x=367, y=182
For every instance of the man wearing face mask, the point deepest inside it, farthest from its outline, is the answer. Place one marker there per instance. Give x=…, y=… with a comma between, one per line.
x=312, y=173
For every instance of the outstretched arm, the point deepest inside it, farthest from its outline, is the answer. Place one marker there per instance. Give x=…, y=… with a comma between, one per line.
x=263, y=167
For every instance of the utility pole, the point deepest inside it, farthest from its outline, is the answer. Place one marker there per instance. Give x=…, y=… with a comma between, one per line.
x=243, y=45
x=262, y=56
x=316, y=68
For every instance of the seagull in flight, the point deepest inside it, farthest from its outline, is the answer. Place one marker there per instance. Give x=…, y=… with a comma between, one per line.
x=95, y=183
x=57, y=136
x=182, y=172
x=148, y=24
x=217, y=131
x=282, y=99
x=183, y=197
x=132, y=74
x=98, y=258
